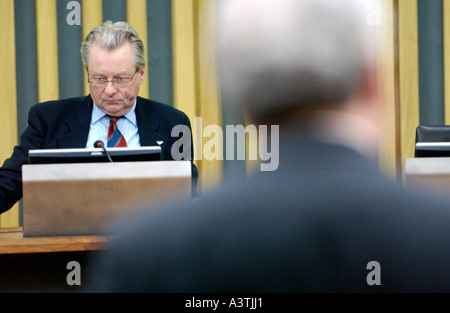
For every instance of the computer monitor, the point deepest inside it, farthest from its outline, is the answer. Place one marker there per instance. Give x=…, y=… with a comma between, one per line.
x=89, y=155
x=432, y=149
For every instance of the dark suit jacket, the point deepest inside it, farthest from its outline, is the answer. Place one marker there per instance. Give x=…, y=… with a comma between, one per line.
x=311, y=226
x=65, y=124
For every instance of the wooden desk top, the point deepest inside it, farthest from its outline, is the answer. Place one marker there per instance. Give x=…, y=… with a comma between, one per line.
x=13, y=242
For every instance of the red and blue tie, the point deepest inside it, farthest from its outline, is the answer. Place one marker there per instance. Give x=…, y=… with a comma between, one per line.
x=115, y=137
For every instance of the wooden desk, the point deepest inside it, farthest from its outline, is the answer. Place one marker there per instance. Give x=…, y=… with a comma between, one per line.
x=13, y=242
x=39, y=264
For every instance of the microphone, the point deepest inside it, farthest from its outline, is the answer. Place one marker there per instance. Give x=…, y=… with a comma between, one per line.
x=100, y=144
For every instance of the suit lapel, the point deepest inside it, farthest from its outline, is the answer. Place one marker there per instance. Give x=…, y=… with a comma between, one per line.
x=78, y=124
x=148, y=126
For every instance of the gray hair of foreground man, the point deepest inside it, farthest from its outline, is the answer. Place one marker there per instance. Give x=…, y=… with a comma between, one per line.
x=110, y=36
x=279, y=55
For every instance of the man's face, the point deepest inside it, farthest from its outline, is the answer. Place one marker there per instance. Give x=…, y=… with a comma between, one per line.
x=112, y=99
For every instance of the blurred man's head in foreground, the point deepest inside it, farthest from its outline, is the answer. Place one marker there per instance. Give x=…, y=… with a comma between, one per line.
x=286, y=60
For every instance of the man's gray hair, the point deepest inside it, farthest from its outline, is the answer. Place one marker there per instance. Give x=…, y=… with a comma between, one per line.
x=277, y=55
x=110, y=36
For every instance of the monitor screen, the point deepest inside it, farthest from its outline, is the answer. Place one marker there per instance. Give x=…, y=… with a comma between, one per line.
x=89, y=155
x=432, y=149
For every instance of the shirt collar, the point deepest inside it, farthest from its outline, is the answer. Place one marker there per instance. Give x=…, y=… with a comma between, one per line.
x=98, y=114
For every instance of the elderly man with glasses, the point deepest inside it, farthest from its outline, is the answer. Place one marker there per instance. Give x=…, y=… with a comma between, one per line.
x=114, y=58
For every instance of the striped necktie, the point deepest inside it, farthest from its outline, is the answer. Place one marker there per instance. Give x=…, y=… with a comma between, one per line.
x=115, y=137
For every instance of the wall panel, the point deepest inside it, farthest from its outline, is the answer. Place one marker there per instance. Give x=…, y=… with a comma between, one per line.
x=389, y=141
x=137, y=18
x=408, y=76
x=91, y=16
x=47, y=50
x=8, y=110
x=195, y=83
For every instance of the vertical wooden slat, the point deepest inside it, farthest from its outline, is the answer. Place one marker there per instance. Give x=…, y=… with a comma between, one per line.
x=386, y=87
x=8, y=98
x=137, y=18
x=91, y=16
x=208, y=90
x=195, y=85
x=184, y=75
x=47, y=50
x=184, y=71
x=408, y=76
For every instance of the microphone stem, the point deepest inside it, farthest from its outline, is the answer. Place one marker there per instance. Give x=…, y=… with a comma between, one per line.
x=107, y=154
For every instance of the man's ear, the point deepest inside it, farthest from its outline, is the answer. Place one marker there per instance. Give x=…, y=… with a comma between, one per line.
x=141, y=75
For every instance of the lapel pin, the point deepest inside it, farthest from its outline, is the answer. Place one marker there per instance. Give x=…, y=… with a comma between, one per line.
x=159, y=142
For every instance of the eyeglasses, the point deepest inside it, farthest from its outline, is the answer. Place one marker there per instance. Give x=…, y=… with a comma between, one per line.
x=117, y=81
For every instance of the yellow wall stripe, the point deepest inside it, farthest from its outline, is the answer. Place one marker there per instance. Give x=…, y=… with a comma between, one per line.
x=47, y=50
x=184, y=71
x=195, y=85
x=386, y=87
x=409, y=76
x=91, y=16
x=446, y=39
x=209, y=105
x=8, y=100
x=137, y=18
x=184, y=79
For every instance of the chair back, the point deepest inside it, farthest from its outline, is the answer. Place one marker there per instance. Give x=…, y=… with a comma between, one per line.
x=439, y=133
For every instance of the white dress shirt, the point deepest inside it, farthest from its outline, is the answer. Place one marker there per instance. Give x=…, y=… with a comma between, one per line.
x=100, y=124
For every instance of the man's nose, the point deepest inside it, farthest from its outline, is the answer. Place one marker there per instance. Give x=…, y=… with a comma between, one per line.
x=110, y=89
